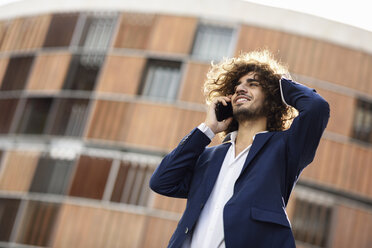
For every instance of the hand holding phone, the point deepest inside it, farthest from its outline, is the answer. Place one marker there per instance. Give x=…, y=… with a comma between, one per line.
x=223, y=112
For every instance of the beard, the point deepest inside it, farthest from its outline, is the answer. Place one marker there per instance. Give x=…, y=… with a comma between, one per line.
x=245, y=114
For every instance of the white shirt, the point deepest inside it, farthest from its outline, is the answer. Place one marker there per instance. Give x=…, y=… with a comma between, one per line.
x=209, y=230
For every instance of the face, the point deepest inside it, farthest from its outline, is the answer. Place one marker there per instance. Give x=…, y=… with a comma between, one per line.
x=248, y=98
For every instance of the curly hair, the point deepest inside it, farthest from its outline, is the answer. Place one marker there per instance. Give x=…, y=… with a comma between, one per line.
x=224, y=76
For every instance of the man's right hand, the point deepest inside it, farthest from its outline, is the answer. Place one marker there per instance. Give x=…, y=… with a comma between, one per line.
x=211, y=119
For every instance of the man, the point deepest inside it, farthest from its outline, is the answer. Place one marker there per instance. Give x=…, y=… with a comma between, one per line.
x=237, y=191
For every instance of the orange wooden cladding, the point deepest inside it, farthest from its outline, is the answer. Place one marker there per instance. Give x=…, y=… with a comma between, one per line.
x=169, y=204
x=342, y=166
x=192, y=87
x=26, y=33
x=18, y=170
x=158, y=232
x=134, y=30
x=154, y=126
x=172, y=34
x=352, y=228
x=109, y=120
x=315, y=58
x=342, y=112
x=82, y=226
x=49, y=71
x=160, y=125
x=3, y=65
x=90, y=177
x=121, y=75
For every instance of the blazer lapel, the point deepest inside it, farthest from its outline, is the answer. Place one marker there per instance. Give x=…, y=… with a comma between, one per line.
x=214, y=167
x=259, y=141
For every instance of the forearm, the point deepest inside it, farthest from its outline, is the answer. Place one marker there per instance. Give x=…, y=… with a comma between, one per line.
x=173, y=176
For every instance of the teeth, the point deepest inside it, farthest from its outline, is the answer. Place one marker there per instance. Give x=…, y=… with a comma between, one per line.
x=241, y=100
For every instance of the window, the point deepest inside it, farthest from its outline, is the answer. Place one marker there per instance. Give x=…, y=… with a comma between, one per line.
x=82, y=73
x=51, y=176
x=311, y=222
x=34, y=116
x=8, y=212
x=363, y=121
x=38, y=222
x=131, y=185
x=7, y=110
x=212, y=42
x=70, y=117
x=16, y=74
x=162, y=79
x=97, y=33
x=61, y=30
x=90, y=177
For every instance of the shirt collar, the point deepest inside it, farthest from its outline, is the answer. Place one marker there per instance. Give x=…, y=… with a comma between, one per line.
x=234, y=133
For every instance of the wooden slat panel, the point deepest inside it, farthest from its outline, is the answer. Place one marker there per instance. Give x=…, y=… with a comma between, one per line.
x=4, y=25
x=192, y=87
x=121, y=75
x=49, y=71
x=173, y=34
x=158, y=232
x=169, y=204
x=3, y=65
x=341, y=166
x=90, y=177
x=26, y=33
x=109, y=120
x=81, y=226
x=352, y=228
x=341, y=119
x=134, y=30
x=18, y=171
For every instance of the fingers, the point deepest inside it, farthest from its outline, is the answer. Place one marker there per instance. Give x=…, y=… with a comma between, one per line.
x=223, y=99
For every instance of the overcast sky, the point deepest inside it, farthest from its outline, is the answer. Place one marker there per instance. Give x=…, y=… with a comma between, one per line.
x=356, y=12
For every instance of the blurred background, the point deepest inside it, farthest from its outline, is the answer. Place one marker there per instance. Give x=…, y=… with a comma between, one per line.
x=94, y=93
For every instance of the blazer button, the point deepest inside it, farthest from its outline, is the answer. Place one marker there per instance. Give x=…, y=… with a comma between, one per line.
x=186, y=230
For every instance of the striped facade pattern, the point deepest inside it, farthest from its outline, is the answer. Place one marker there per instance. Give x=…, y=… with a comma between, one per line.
x=104, y=200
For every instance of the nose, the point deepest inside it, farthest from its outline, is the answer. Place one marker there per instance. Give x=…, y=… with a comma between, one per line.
x=241, y=89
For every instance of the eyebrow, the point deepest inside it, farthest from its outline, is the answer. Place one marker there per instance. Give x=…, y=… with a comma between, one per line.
x=251, y=80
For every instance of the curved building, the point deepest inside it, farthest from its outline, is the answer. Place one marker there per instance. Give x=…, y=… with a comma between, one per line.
x=94, y=93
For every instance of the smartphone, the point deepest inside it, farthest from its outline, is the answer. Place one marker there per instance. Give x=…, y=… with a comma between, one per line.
x=223, y=112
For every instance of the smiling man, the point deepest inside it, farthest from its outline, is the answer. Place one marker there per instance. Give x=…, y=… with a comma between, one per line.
x=237, y=192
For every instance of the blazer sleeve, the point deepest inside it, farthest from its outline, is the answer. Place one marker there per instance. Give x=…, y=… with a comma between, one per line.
x=173, y=176
x=303, y=137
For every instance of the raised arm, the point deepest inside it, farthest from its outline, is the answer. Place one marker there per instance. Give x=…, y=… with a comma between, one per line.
x=304, y=135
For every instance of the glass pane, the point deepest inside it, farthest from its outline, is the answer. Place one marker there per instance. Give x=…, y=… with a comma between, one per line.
x=162, y=79
x=51, y=176
x=212, y=42
x=34, y=116
x=70, y=117
x=83, y=72
x=38, y=222
x=131, y=184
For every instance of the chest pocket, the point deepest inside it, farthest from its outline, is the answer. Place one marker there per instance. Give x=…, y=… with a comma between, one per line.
x=269, y=216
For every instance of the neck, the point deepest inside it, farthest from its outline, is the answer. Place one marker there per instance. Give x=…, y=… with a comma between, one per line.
x=247, y=130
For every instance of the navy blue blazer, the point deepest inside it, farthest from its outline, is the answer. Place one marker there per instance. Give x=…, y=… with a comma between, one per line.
x=255, y=215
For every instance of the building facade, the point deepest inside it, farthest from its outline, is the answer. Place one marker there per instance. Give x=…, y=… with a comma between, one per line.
x=91, y=100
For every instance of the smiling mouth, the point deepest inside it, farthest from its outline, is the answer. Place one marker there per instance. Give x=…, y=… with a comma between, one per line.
x=242, y=99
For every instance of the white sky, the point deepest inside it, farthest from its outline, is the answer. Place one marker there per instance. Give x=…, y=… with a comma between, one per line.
x=356, y=12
